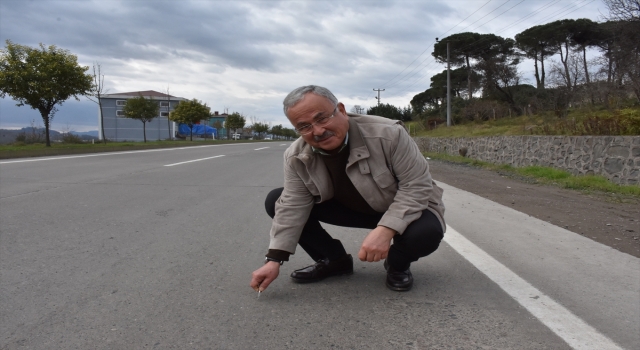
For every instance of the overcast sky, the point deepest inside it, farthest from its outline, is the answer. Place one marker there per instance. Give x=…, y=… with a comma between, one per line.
x=245, y=56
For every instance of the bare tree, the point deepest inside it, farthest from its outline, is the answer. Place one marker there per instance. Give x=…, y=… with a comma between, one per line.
x=357, y=109
x=623, y=10
x=96, y=92
x=169, y=111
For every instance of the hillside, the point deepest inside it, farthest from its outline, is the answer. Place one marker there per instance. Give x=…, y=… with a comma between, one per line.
x=8, y=136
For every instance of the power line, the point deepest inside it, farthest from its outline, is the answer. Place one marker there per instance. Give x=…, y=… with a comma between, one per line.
x=425, y=50
x=430, y=63
x=564, y=11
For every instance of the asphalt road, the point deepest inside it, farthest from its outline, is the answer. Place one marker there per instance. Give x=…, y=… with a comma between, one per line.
x=154, y=249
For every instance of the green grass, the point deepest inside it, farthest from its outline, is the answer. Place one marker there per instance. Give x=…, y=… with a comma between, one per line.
x=546, y=175
x=39, y=149
x=583, y=121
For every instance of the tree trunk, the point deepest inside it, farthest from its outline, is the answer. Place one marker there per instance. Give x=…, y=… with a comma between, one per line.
x=542, y=68
x=144, y=131
x=586, y=74
x=469, y=77
x=565, y=60
x=104, y=138
x=535, y=65
x=45, y=119
x=584, y=61
x=610, y=71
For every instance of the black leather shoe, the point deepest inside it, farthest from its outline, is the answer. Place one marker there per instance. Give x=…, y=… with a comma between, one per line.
x=323, y=269
x=400, y=281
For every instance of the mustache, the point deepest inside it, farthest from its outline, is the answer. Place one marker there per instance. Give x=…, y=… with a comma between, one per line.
x=326, y=134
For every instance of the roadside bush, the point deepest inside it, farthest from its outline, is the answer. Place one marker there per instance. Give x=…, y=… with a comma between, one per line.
x=22, y=137
x=30, y=138
x=620, y=122
x=483, y=110
x=71, y=138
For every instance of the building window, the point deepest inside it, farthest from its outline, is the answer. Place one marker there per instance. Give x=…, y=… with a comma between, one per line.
x=164, y=103
x=121, y=102
x=164, y=114
x=119, y=113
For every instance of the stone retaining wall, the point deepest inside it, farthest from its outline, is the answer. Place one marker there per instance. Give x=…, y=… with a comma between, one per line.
x=614, y=157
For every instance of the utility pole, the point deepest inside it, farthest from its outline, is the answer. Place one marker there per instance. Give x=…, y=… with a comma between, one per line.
x=378, y=90
x=448, y=85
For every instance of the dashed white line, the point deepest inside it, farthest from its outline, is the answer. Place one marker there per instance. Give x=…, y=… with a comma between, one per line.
x=573, y=330
x=113, y=153
x=257, y=149
x=195, y=160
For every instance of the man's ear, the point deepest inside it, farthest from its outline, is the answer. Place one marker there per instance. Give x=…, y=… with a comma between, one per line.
x=341, y=108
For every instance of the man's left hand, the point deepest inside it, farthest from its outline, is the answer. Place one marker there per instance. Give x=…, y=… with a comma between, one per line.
x=375, y=246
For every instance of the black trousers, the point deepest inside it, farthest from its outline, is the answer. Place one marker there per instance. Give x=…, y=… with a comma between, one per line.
x=421, y=238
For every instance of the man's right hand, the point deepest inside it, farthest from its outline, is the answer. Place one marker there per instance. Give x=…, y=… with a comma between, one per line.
x=262, y=277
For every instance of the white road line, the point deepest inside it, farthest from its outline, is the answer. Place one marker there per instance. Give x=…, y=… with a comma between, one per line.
x=257, y=149
x=195, y=160
x=573, y=330
x=283, y=144
x=115, y=153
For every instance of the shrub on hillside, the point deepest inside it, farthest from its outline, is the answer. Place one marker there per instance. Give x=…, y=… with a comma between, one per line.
x=71, y=138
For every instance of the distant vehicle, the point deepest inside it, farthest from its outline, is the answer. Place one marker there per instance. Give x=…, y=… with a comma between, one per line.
x=268, y=138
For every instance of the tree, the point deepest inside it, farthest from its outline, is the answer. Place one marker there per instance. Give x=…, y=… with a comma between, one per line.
x=388, y=111
x=462, y=48
x=429, y=100
x=95, y=95
x=535, y=43
x=458, y=79
x=276, y=130
x=289, y=133
x=190, y=113
x=585, y=33
x=235, y=121
x=168, y=111
x=561, y=33
x=623, y=10
x=260, y=128
x=41, y=78
x=218, y=125
x=142, y=109
x=357, y=109
x=499, y=63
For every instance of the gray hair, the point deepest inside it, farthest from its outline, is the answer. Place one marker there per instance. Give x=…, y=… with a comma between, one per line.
x=298, y=94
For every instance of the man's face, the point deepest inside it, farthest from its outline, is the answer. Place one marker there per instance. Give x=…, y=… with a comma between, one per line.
x=312, y=107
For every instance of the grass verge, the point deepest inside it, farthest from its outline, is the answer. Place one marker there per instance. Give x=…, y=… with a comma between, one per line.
x=580, y=121
x=547, y=175
x=57, y=149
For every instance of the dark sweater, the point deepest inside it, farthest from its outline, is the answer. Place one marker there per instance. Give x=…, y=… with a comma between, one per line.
x=344, y=192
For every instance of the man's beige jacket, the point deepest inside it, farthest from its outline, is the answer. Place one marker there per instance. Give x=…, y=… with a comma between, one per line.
x=386, y=167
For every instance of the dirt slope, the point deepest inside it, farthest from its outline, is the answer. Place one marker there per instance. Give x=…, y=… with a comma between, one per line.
x=607, y=219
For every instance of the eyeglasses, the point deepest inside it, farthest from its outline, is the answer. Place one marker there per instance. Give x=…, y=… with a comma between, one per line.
x=322, y=121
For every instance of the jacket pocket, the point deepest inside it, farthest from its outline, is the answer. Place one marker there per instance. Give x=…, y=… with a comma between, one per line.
x=384, y=179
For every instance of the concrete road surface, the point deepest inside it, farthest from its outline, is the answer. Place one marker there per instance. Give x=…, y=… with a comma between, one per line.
x=154, y=250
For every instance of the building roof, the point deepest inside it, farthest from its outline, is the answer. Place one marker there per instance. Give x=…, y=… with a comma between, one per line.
x=148, y=93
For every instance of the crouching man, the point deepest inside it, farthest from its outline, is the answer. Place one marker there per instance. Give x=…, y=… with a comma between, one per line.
x=353, y=171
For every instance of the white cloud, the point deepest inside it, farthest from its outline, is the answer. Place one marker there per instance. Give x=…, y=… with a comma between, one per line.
x=247, y=55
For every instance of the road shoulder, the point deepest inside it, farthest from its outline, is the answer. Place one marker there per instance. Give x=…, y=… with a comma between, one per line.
x=615, y=224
